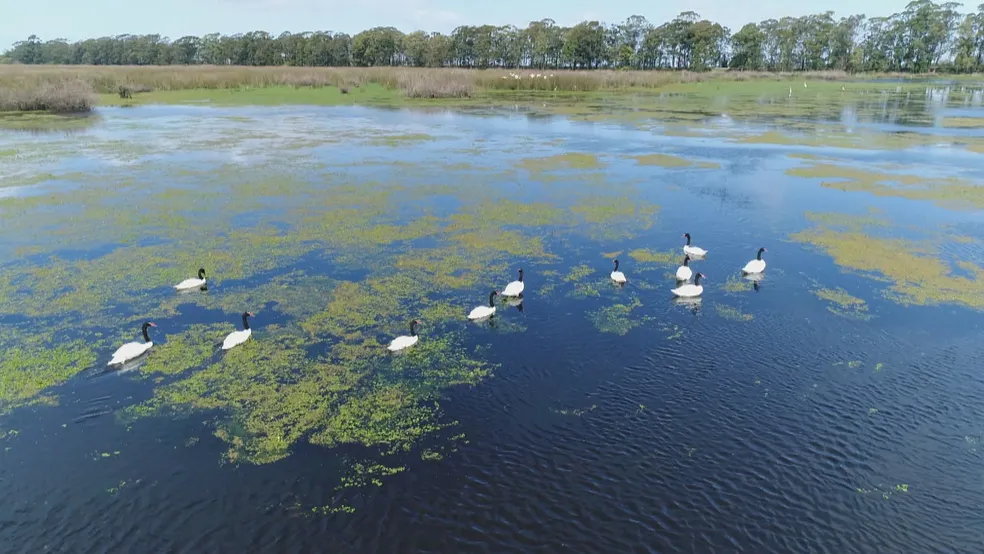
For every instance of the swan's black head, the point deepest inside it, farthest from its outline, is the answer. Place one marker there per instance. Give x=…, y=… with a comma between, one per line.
x=148, y=324
x=201, y=273
x=759, y=255
x=686, y=260
x=520, y=275
x=413, y=327
x=248, y=314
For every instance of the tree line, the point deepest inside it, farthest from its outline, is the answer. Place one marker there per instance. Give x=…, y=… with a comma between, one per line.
x=926, y=36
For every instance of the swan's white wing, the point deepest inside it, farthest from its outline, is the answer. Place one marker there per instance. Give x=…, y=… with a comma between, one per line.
x=513, y=289
x=683, y=273
x=399, y=343
x=480, y=312
x=129, y=351
x=236, y=338
x=190, y=283
x=688, y=290
x=754, y=266
x=618, y=277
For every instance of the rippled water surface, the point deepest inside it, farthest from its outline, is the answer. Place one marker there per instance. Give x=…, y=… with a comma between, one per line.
x=833, y=405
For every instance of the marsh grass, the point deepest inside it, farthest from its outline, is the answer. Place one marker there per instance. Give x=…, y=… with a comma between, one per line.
x=57, y=95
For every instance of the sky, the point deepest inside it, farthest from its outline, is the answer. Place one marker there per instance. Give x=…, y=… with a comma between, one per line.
x=75, y=20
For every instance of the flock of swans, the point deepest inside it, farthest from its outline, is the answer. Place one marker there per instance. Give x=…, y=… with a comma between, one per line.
x=684, y=289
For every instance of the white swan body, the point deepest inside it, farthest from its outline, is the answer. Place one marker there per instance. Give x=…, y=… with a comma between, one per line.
x=693, y=251
x=236, y=338
x=192, y=283
x=482, y=312
x=133, y=349
x=684, y=273
x=617, y=275
x=690, y=290
x=757, y=265
x=516, y=287
x=405, y=341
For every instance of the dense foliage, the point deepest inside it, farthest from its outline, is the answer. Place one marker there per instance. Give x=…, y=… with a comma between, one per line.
x=925, y=36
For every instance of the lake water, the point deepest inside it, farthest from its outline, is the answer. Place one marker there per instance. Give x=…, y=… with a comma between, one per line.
x=834, y=405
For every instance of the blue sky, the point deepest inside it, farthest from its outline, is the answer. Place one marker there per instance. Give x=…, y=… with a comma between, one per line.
x=74, y=19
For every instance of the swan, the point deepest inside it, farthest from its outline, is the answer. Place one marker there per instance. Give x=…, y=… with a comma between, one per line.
x=133, y=349
x=683, y=273
x=405, y=341
x=482, y=312
x=516, y=287
x=617, y=275
x=690, y=290
x=236, y=338
x=757, y=265
x=192, y=283
x=692, y=251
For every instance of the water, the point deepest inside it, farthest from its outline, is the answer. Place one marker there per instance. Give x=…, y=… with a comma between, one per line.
x=762, y=419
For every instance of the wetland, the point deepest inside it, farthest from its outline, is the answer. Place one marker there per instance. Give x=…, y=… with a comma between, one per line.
x=832, y=405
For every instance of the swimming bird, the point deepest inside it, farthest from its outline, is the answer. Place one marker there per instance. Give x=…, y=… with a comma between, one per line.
x=482, y=312
x=690, y=290
x=516, y=287
x=692, y=251
x=683, y=273
x=133, y=349
x=757, y=265
x=192, y=283
x=405, y=341
x=617, y=275
x=236, y=338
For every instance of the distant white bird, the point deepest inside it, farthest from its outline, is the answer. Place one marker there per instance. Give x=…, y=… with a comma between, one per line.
x=236, y=338
x=690, y=290
x=693, y=251
x=134, y=349
x=617, y=275
x=405, y=341
x=482, y=312
x=515, y=288
x=684, y=273
x=757, y=265
x=192, y=283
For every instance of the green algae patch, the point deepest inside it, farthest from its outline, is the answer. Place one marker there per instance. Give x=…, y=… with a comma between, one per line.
x=401, y=140
x=962, y=122
x=573, y=160
x=665, y=258
x=670, y=161
x=617, y=318
x=843, y=304
x=731, y=313
x=188, y=350
x=27, y=371
x=735, y=284
x=917, y=275
x=950, y=192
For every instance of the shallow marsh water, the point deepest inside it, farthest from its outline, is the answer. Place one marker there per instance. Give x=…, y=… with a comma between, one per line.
x=833, y=406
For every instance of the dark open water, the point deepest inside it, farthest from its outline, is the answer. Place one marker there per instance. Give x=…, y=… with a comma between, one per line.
x=752, y=436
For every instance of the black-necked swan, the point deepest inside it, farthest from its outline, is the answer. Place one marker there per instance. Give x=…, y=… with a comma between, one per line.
x=692, y=251
x=516, y=287
x=617, y=275
x=405, y=341
x=690, y=290
x=133, y=349
x=684, y=273
x=236, y=338
x=192, y=283
x=481, y=312
x=757, y=265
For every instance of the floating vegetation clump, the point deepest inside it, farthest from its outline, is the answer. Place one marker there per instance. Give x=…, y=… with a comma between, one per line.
x=736, y=284
x=573, y=160
x=844, y=304
x=669, y=258
x=731, y=313
x=670, y=161
x=616, y=318
x=27, y=371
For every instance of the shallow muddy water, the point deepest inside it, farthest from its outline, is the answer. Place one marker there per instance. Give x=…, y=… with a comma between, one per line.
x=834, y=405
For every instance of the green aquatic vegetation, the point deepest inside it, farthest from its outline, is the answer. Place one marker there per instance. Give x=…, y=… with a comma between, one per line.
x=843, y=303
x=609, y=209
x=616, y=318
x=846, y=221
x=736, y=284
x=666, y=258
x=731, y=313
x=670, y=161
x=962, y=122
x=26, y=371
x=879, y=366
x=187, y=350
x=572, y=160
x=854, y=364
x=674, y=332
x=948, y=192
x=401, y=140
x=917, y=275
x=578, y=273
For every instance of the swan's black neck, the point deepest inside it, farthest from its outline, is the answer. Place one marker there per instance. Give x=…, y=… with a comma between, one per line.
x=201, y=273
x=492, y=300
x=520, y=275
x=688, y=238
x=245, y=321
x=413, y=328
x=686, y=261
x=759, y=257
x=146, y=336
x=697, y=279
x=616, y=265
